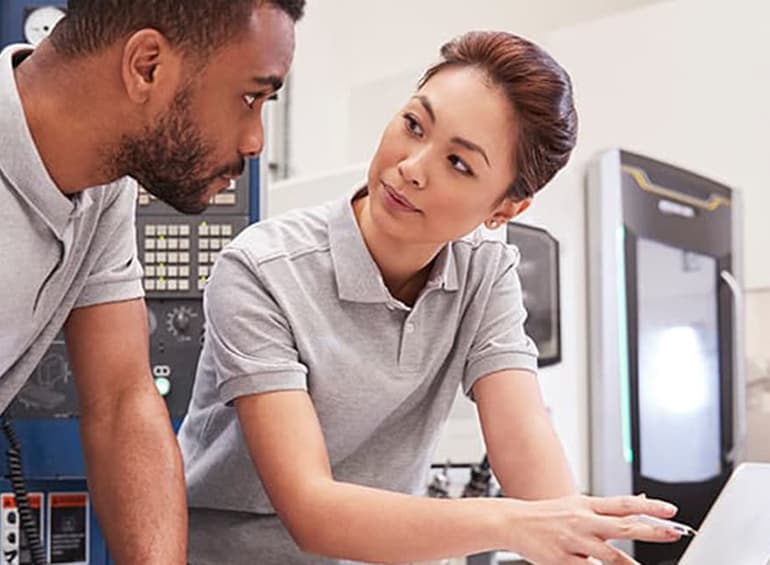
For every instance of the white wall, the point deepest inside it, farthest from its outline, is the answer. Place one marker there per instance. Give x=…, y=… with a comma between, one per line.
x=357, y=61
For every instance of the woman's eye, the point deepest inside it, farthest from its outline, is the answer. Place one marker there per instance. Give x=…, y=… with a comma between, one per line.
x=412, y=124
x=459, y=165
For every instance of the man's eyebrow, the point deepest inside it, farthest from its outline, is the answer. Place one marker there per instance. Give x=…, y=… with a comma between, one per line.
x=272, y=80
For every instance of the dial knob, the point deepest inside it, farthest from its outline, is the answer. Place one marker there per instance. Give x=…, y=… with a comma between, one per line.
x=181, y=321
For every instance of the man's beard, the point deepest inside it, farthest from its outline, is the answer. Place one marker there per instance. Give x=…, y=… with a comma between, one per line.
x=170, y=159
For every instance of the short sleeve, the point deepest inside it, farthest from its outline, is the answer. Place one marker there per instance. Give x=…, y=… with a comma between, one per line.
x=500, y=342
x=249, y=335
x=116, y=274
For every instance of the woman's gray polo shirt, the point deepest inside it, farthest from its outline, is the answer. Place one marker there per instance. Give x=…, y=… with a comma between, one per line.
x=297, y=303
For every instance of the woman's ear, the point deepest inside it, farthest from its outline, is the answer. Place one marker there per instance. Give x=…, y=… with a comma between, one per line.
x=507, y=210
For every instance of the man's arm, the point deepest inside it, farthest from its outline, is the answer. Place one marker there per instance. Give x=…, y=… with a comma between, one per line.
x=524, y=451
x=133, y=462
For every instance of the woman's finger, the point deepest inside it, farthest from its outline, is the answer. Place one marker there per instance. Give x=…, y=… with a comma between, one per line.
x=629, y=527
x=626, y=505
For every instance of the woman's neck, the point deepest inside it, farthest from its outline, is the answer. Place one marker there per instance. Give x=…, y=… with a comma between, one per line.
x=405, y=268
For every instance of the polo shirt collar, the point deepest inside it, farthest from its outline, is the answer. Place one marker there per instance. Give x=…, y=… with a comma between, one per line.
x=358, y=276
x=20, y=162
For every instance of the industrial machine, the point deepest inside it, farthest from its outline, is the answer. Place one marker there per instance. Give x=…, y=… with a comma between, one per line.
x=666, y=374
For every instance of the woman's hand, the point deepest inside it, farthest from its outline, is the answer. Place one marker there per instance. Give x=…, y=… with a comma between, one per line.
x=571, y=530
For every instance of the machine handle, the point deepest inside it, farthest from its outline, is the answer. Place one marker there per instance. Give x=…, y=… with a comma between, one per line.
x=739, y=375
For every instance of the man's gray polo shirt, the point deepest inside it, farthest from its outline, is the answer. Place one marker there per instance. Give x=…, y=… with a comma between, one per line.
x=56, y=253
x=297, y=303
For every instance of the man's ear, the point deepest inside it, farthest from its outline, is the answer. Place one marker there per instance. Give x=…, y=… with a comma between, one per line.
x=149, y=65
x=507, y=210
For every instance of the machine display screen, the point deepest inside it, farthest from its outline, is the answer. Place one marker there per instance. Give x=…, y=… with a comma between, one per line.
x=679, y=398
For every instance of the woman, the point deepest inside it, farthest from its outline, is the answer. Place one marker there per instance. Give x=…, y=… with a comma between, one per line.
x=337, y=337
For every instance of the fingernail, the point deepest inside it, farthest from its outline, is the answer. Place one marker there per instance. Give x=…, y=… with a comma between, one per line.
x=669, y=507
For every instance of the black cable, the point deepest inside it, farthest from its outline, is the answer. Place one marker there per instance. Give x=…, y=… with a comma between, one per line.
x=16, y=477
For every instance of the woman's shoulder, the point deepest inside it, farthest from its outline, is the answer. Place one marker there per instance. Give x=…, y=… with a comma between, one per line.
x=292, y=233
x=484, y=247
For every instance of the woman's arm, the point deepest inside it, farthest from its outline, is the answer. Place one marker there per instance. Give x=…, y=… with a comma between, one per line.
x=342, y=520
x=524, y=451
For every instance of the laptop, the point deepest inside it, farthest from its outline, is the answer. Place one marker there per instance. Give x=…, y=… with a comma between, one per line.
x=736, y=530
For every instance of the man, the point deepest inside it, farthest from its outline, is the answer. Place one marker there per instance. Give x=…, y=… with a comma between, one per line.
x=170, y=93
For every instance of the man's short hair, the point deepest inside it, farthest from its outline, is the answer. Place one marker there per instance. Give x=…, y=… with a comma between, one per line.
x=195, y=26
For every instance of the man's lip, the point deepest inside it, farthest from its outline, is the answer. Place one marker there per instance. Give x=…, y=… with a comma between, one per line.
x=400, y=197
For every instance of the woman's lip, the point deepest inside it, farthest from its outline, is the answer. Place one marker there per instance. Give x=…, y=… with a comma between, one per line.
x=399, y=198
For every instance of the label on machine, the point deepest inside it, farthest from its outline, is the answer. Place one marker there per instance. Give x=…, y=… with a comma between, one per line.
x=68, y=528
x=15, y=546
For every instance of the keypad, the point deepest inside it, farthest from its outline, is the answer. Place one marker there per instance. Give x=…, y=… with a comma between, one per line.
x=167, y=257
x=212, y=237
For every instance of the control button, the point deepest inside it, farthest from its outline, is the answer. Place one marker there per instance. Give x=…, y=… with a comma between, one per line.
x=149, y=284
x=184, y=284
x=149, y=229
x=173, y=271
x=149, y=271
x=216, y=244
x=203, y=270
x=161, y=271
x=184, y=271
x=162, y=244
x=203, y=243
x=163, y=385
x=203, y=258
x=184, y=244
x=173, y=230
x=225, y=199
x=227, y=230
x=173, y=257
x=149, y=243
x=173, y=243
x=149, y=257
x=160, y=285
x=184, y=257
x=201, y=283
x=162, y=257
x=144, y=200
x=162, y=230
x=171, y=284
x=203, y=229
x=184, y=230
x=214, y=230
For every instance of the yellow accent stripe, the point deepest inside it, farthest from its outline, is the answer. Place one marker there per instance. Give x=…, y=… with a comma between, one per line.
x=644, y=182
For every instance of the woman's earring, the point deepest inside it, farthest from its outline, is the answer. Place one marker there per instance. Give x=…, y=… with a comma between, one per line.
x=492, y=224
